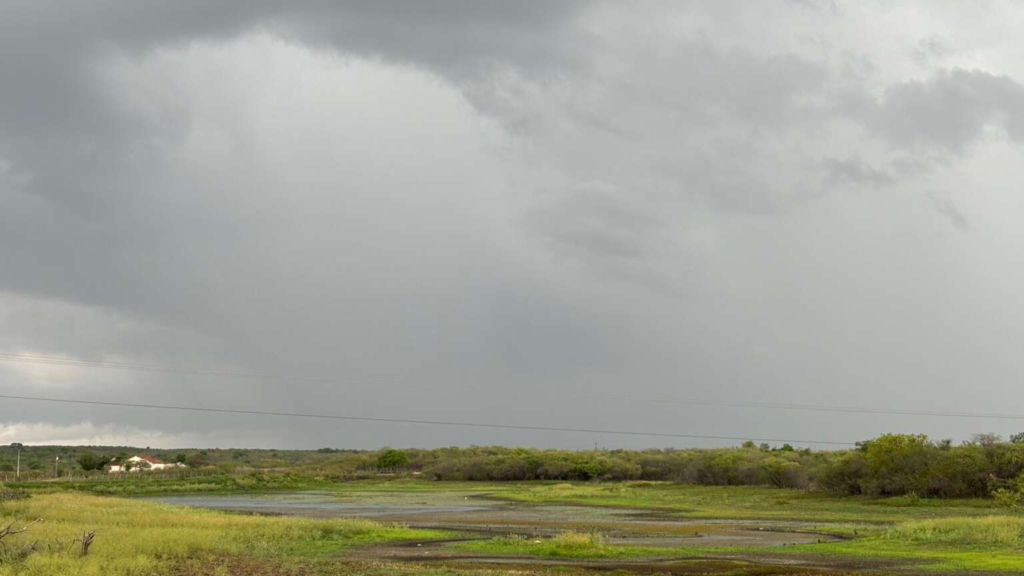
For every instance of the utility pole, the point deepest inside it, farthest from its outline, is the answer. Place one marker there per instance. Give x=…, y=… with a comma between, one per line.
x=17, y=473
x=56, y=467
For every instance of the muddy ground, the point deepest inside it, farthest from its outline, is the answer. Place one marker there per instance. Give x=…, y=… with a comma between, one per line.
x=475, y=515
x=480, y=516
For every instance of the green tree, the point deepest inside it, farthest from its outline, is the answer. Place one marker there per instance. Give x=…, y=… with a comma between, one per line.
x=90, y=461
x=898, y=464
x=197, y=460
x=1012, y=494
x=392, y=459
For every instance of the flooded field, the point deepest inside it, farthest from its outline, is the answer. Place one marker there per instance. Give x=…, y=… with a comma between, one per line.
x=478, y=515
x=321, y=505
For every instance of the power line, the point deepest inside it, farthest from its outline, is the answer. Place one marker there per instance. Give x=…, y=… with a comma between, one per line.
x=57, y=361
x=822, y=408
x=410, y=421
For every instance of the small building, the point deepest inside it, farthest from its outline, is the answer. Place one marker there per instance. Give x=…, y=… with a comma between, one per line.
x=139, y=464
x=146, y=462
x=114, y=467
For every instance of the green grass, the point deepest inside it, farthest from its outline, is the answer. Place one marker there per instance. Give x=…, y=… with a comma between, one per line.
x=142, y=538
x=684, y=500
x=749, y=502
x=135, y=538
x=944, y=535
x=958, y=546
x=564, y=545
x=994, y=531
x=249, y=483
x=992, y=543
x=378, y=568
x=140, y=485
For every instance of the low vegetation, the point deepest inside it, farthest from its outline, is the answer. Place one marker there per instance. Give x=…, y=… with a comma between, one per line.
x=995, y=531
x=145, y=484
x=563, y=545
x=750, y=502
x=137, y=538
x=900, y=499
x=890, y=465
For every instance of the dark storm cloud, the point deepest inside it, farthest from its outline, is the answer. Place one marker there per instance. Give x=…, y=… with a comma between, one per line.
x=455, y=209
x=87, y=161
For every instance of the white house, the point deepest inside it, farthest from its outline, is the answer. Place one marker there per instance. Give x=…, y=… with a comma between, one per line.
x=114, y=467
x=140, y=463
x=145, y=462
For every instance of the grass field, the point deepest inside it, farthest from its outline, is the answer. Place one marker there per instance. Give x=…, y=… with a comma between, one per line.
x=966, y=544
x=136, y=485
x=686, y=500
x=750, y=502
x=929, y=534
x=136, y=538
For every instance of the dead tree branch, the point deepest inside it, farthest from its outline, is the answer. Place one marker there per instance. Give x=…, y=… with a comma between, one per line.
x=86, y=541
x=11, y=531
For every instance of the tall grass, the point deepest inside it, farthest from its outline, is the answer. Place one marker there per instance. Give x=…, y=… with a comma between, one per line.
x=565, y=544
x=136, y=538
x=146, y=483
x=992, y=531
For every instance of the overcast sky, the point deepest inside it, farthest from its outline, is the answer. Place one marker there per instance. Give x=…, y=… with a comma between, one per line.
x=512, y=213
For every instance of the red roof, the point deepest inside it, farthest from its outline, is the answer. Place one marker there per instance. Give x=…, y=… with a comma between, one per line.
x=150, y=459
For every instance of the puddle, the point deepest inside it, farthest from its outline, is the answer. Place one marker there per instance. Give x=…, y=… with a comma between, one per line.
x=468, y=512
x=315, y=505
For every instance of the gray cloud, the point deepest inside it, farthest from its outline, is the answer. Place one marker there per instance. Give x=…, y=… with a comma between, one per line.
x=947, y=208
x=454, y=209
x=855, y=172
x=951, y=110
x=594, y=219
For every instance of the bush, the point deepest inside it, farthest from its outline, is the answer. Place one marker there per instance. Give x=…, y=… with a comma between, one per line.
x=90, y=461
x=9, y=494
x=897, y=464
x=391, y=459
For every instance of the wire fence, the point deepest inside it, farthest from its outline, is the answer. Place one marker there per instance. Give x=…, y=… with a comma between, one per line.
x=38, y=476
x=101, y=476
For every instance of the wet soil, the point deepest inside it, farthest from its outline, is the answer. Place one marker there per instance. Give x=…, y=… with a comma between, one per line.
x=474, y=516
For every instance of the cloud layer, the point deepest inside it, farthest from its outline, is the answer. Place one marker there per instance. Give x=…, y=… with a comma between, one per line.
x=495, y=211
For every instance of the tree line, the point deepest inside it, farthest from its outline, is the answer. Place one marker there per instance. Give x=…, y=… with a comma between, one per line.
x=890, y=465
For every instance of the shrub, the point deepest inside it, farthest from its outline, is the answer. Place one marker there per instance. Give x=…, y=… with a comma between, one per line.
x=896, y=464
x=90, y=461
x=392, y=459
